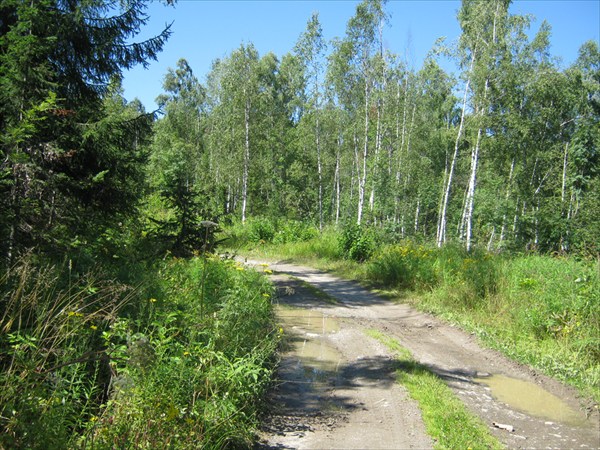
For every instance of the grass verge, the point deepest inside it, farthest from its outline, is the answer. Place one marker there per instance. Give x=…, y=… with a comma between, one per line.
x=446, y=418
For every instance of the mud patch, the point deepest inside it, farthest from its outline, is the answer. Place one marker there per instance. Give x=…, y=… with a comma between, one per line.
x=314, y=359
x=306, y=320
x=531, y=399
x=310, y=364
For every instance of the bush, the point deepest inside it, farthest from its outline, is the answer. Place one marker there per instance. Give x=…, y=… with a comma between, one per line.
x=279, y=231
x=357, y=242
x=406, y=265
x=260, y=230
x=211, y=339
x=294, y=231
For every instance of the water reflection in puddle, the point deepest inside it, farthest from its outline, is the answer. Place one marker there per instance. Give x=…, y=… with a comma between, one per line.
x=307, y=320
x=315, y=359
x=531, y=399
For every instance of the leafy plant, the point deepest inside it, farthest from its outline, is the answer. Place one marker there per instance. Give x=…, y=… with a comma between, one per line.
x=357, y=242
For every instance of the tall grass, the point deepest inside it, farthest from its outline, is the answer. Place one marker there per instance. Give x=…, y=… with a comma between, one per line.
x=178, y=362
x=54, y=372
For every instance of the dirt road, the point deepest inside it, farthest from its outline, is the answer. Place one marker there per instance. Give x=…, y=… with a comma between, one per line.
x=337, y=386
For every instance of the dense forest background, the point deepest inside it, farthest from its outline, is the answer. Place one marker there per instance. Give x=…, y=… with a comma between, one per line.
x=503, y=155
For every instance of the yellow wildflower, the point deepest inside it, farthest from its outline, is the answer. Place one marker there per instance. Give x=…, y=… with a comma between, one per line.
x=268, y=271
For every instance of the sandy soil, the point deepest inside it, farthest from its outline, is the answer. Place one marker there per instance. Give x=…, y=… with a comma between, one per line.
x=342, y=393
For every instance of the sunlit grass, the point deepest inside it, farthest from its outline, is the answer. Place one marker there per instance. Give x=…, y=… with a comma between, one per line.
x=446, y=418
x=181, y=361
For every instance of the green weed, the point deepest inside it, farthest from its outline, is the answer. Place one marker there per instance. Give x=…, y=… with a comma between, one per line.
x=357, y=242
x=54, y=369
x=445, y=416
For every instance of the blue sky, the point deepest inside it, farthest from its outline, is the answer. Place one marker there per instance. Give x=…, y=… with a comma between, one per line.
x=204, y=30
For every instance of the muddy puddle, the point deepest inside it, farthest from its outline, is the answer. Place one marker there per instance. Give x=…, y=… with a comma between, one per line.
x=531, y=399
x=315, y=359
x=306, y=320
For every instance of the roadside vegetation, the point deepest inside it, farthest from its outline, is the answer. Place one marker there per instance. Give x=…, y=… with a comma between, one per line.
x=180, y=361
x=445, y=416
x=541, y=310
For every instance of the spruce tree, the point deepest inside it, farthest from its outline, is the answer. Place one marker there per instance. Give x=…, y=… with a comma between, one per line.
x=70, y=162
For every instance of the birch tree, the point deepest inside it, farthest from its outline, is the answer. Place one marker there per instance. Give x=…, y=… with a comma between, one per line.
x=353, y=72
x=310, y=48
x=237, y=98
x=484, y=26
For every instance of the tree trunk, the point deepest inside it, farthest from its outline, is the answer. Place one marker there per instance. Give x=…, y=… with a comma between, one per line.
x=417, y=211
x=337, y=182
x=320, y=173
x=470, y=200
x=506, y=198
x=442, y=222
x=246, y=168
x=362, y=177
x=398, y=196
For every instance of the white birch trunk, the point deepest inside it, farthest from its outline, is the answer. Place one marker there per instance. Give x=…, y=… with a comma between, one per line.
x=417, y=211
x=470, y=200
x=246, y=161
x=320, y=173
x=377, y=151
x=362, y=177
x=441, y=231
x=401, y=150
x=337, y=183
x=564, y=174
x=506, y=198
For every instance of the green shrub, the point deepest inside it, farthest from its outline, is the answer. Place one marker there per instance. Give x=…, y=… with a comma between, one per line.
x=209, y=364
x=260, y=230
x=406, y=265
x=472, y=276
x=294, y=231
x=357, y=242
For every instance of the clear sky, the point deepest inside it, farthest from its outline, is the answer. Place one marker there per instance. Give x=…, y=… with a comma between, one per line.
x=204, y=30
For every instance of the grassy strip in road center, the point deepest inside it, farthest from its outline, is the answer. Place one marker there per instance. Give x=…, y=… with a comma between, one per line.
x=446, y=418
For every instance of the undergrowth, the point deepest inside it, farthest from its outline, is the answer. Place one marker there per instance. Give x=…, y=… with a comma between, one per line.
x=179, y=361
